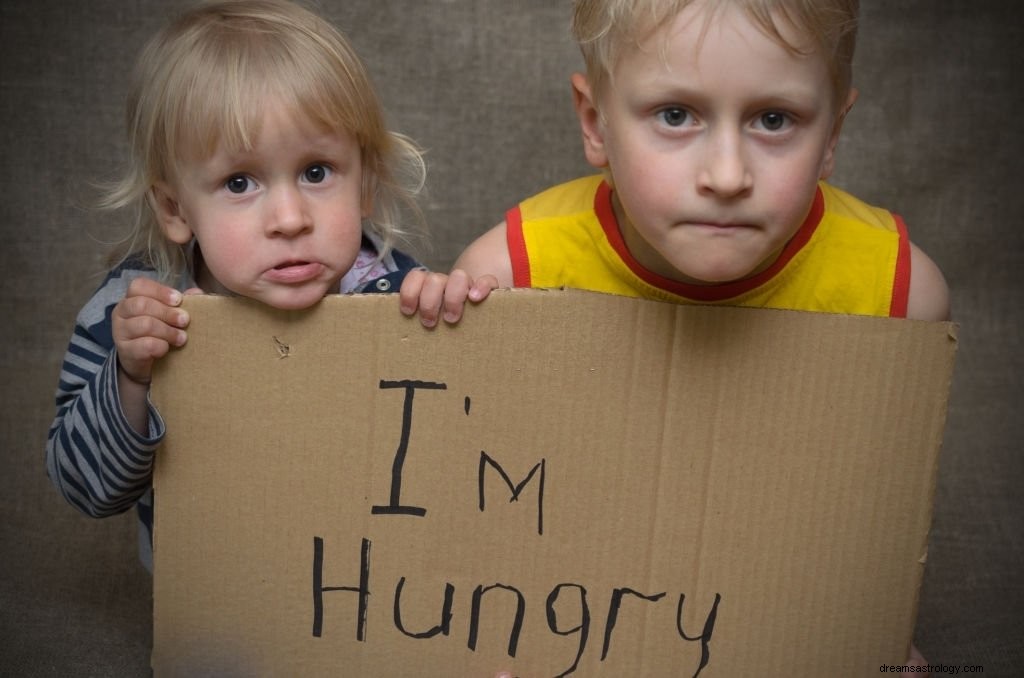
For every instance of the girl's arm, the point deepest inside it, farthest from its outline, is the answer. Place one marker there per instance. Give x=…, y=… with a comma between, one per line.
x=95, y=456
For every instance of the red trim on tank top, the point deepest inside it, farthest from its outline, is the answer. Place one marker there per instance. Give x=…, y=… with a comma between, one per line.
x=901, y=279
x=606, y=215
x=517, y=248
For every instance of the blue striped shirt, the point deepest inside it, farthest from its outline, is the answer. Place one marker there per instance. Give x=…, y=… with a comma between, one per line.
x=97, y=461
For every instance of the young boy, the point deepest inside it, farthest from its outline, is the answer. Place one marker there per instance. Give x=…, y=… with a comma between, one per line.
x=714, y=123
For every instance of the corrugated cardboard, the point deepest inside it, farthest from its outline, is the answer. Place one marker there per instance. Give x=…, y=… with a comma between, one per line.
x=566, y=483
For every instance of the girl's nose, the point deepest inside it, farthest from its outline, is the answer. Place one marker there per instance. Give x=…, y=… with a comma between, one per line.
x=288, y=214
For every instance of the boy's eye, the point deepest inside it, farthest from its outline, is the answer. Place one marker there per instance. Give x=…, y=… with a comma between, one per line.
x=675, y=117
x=773, y=121
x=238, y=183
x=314, y=174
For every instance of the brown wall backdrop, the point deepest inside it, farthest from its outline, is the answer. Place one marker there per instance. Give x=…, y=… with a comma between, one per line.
x=483, y=86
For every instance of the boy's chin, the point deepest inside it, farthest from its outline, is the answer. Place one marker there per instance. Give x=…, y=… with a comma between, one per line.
x=709, y=276
x=709, y=272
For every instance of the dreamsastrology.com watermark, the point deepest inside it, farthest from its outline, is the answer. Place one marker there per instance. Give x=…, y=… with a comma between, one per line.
x=934, y=669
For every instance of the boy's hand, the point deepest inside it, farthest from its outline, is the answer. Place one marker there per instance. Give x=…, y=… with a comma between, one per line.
x=917, y=660
x=434, y=293
x=146, y=324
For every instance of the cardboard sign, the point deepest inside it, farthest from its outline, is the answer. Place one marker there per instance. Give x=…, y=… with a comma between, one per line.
x=565, y=483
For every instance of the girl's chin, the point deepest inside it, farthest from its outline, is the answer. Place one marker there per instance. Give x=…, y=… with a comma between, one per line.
x=292, y=299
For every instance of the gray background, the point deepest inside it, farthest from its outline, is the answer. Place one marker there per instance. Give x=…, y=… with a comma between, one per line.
x=483, y=85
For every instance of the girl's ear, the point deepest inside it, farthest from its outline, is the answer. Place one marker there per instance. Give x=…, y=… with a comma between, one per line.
x=590, y=121
x=828, y=162
x=164, y=202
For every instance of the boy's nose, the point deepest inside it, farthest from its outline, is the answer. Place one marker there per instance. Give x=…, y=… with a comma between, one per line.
x=724, y=171
x=288, y=215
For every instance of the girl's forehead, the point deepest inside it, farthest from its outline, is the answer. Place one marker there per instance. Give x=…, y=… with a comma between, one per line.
x=237, y=122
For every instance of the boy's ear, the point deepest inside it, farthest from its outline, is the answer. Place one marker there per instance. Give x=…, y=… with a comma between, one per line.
x=590, y=121
x=164, y=202
x=828, y=163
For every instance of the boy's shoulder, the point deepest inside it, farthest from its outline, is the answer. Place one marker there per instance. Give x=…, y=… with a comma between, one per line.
x=563, y=199
x=840, y=203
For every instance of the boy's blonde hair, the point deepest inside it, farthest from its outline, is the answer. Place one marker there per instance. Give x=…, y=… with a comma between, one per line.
x=203, y=82
x=605, y=29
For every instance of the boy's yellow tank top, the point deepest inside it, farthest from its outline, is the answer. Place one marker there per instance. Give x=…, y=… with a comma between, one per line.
x=847, y=257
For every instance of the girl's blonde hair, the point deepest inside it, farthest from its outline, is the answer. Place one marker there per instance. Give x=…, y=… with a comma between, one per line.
x=605, y=29
x=203, y=81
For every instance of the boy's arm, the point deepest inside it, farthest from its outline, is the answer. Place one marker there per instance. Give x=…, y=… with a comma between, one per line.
x=488, y=254
x=928, y=298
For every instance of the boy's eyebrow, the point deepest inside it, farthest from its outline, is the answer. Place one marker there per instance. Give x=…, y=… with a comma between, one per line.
x=661, y=86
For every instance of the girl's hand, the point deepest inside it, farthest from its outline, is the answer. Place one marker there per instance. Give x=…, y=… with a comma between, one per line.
x=434, y=293
x=146, y=324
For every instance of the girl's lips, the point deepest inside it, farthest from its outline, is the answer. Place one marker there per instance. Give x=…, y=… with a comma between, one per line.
x=293, y=273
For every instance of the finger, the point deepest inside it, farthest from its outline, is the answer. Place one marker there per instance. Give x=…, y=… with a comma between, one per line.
x=431, y=298
x=193, y=290
x=147, y=287
x=134, y=307
x=409, y=293
x=142, y=339
x=455, y=292
x=916, y=658
x=138, y=354
x=136, y=357
x=170, y=329
x=482, y=287
x=144, y=329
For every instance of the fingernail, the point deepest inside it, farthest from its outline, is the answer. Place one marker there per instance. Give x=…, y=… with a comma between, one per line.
x=175, y=298
x=182, y=320
x=180, y=339
x=451, y=317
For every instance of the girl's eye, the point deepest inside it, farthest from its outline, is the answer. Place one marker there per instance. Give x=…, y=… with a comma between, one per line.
x=773, y=121
x=238, y=183
x=314, y=174
x=675, y=117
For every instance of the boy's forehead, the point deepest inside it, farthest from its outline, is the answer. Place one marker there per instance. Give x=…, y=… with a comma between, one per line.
x=698, y=21
x=704, y=31
x=727, y=60
x=826, y=29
